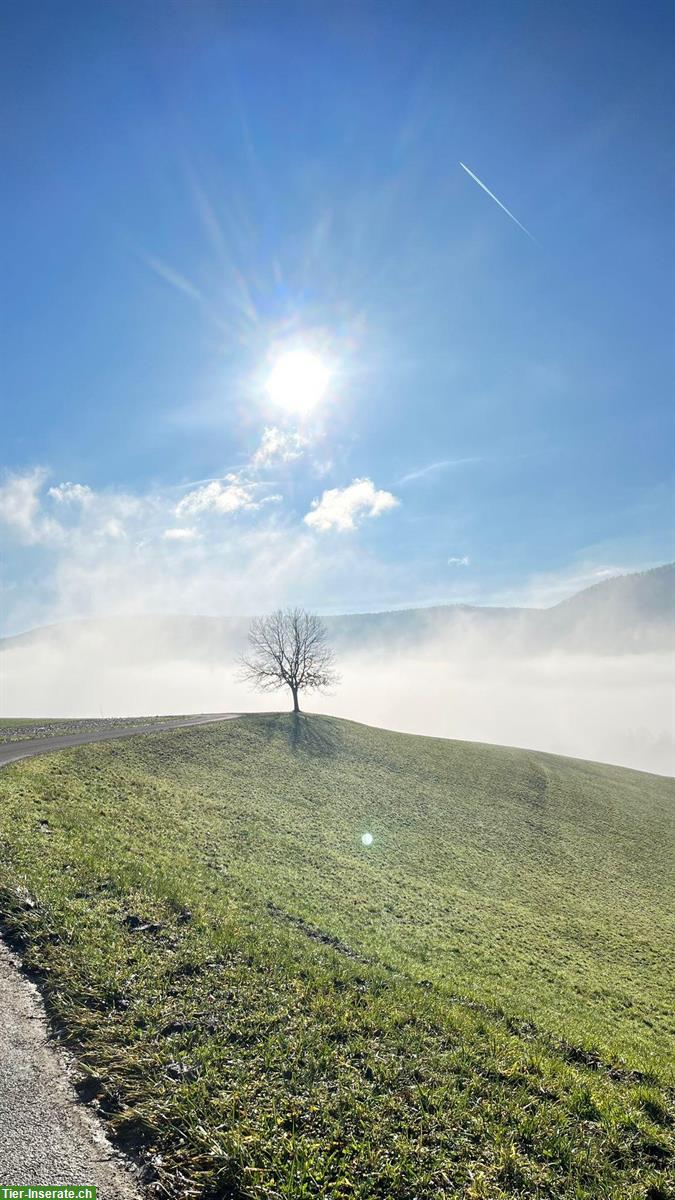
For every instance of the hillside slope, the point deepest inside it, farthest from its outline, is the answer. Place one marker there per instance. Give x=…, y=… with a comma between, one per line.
x=475, y=1004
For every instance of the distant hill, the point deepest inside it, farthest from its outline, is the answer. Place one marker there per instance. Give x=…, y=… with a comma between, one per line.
x=629, y=612
x=626, y=614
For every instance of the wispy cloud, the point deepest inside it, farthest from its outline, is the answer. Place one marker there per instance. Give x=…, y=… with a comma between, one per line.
x=21, y=509
x=459, y=562
x=113, y=528
x=178, y=533
x=27, y=508
x=227, y=497
x=71, y=493
x=431, y=468
x=277, y=446
x=192, y=483
x=172, y=277
x=497, y=201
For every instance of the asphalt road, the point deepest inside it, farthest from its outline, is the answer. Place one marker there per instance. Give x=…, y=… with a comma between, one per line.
x=13, y=751
x=47, y=1135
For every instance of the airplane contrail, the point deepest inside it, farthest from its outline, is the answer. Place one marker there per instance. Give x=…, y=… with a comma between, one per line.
x=493, y=197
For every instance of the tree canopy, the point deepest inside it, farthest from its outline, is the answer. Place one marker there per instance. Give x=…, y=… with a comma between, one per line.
x=289, y=648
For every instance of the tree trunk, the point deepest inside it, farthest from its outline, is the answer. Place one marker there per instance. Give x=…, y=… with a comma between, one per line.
x=296, y=706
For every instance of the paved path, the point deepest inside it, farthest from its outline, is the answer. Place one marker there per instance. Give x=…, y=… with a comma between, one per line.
x=47, y=1135
x=13, y=751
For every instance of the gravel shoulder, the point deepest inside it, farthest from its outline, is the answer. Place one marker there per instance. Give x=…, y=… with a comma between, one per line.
x=47, y=1135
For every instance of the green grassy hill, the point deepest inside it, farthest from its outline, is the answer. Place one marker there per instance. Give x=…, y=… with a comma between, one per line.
x=475, y=1005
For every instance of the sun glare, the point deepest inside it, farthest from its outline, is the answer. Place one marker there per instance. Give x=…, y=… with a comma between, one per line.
x=297, y=381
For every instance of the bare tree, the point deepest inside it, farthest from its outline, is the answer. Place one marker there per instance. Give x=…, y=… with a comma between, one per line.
x=289, y=648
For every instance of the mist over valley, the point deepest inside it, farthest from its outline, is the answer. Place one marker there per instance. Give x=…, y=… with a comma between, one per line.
x=590, y=677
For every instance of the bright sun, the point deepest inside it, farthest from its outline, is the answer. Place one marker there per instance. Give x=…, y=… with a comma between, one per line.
x=297, y=381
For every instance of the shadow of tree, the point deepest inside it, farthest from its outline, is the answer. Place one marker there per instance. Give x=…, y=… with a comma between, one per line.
x=312, y=735
x=305, y=733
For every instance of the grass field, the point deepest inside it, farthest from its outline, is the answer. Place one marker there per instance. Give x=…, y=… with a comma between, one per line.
x=475, y=1005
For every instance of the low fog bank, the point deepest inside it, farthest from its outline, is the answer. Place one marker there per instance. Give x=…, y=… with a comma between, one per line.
x=618, y=710
x=480, y=682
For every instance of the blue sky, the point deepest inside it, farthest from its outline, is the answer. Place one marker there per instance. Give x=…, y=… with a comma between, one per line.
x=194, y=190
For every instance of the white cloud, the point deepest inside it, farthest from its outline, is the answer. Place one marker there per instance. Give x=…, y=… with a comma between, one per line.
x=344, y=508
x=112, y=555
x=114, y=529
x=459, y=562
x=20, y=508
x=71, y=493
x=218, y=497
x=180, y=533
x=277, y=446
x=88, y=516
